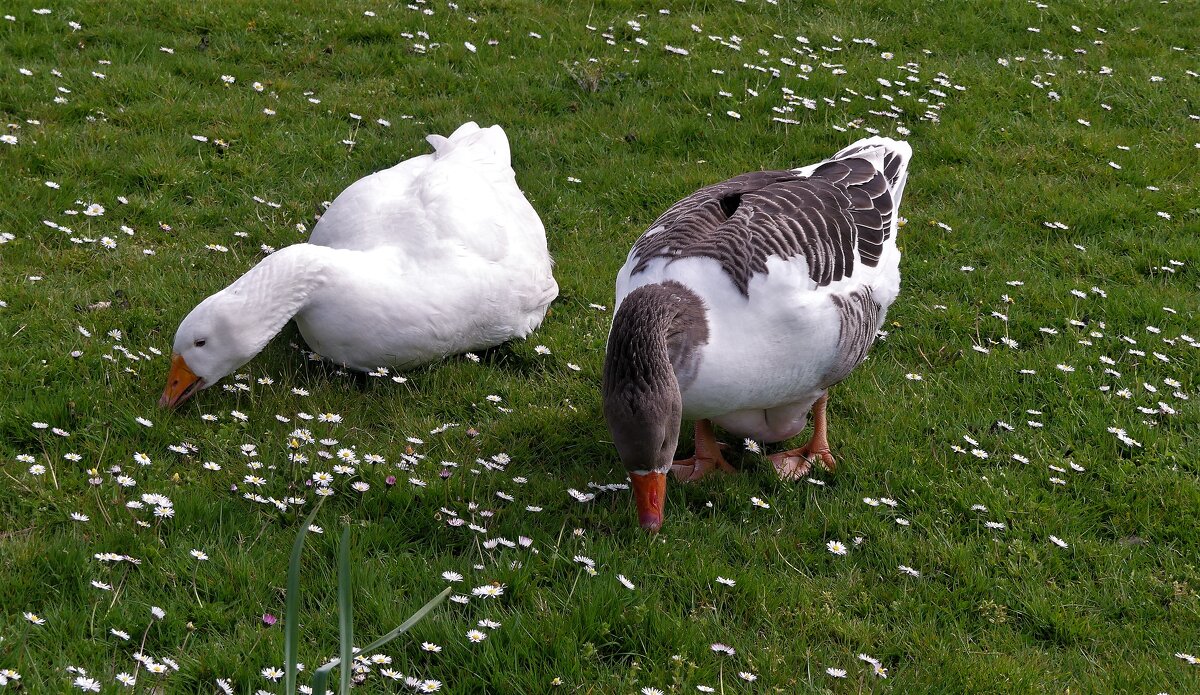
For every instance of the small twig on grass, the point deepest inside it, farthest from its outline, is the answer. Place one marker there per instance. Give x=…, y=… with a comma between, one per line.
x=18, y=482
x=50, y=465
x=100, y=506
x=195, y=591
x=924, y=357
x=142, y=648
x=785, y=561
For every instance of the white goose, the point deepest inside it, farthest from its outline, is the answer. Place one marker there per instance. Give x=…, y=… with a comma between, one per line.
x=437, y=255
x=743, y=304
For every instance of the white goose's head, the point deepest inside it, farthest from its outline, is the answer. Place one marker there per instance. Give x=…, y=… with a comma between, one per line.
x=229, y=328
x=212, y=342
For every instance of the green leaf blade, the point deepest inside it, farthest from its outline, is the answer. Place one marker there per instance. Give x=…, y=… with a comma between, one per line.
x=291, y=607
x=345, y=612
x=412, y=620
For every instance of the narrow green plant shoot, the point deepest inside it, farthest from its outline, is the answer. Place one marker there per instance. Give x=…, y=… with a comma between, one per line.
x=345, y=611
x=291, y=607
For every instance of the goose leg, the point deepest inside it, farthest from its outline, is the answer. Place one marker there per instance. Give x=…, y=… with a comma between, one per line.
x=707, y=458
x=793, y=464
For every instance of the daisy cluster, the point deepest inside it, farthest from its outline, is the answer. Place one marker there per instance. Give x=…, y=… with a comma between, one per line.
x=851, y=83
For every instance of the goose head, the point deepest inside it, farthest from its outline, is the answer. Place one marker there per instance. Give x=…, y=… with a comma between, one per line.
x=653, y=351
x=213, y=340
x=229, y=328
x=645, y=429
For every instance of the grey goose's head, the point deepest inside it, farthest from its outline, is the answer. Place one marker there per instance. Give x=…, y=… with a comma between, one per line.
x=653, y=352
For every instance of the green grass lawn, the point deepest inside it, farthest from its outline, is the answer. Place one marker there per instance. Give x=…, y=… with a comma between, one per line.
x=1051, y=203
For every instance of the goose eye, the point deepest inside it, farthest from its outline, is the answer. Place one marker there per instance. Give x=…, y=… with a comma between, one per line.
x=200, y=342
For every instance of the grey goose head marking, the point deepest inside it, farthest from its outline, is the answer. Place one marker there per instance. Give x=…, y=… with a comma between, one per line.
x=844, y=206
x=665, y=311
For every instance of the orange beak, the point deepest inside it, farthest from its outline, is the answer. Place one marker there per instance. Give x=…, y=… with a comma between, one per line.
x=649, y=492
x=181, y=383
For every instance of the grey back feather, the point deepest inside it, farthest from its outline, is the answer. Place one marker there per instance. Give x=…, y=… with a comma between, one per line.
x=859, y=318
x=843, y=209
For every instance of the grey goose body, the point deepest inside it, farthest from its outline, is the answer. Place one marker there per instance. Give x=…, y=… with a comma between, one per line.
x=787, y=275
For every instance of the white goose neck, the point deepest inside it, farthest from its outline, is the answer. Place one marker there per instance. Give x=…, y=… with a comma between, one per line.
x=276, y=289
x=291, y=273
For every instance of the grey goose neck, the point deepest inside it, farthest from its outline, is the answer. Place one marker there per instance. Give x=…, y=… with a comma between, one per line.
x=655, y=340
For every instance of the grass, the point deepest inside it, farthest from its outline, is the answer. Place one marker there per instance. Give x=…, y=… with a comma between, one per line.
x=994, y=611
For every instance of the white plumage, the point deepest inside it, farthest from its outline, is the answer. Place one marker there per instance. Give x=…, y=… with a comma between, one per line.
x=437, y=255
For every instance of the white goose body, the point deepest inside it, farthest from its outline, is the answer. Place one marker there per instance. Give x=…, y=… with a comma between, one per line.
x=438, y=255
x=791, y=307
x=442, y=254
